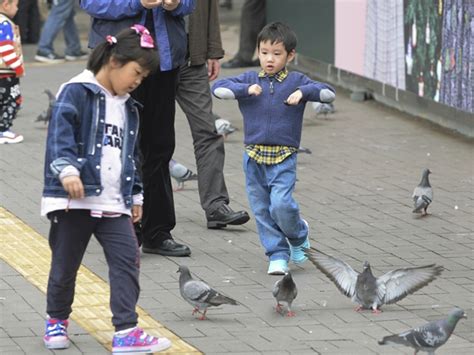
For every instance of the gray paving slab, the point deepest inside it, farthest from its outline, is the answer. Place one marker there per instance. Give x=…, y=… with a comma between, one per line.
x=354, y=190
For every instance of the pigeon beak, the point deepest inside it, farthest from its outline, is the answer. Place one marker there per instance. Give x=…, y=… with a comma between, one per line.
x=464, y=315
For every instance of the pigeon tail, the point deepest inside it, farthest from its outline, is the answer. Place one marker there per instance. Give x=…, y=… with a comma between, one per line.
x=219, y=299
x=421, y=203
x=393, y=339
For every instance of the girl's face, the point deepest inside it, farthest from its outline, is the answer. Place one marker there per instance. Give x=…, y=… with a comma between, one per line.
x=125, y=78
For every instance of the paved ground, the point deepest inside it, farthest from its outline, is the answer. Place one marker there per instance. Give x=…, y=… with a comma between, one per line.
x=355, y=192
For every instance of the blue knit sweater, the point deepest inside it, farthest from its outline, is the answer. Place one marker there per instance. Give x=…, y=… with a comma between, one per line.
x=267, y=120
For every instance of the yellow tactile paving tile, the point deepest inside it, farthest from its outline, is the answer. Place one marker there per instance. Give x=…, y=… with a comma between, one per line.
x=28, y=252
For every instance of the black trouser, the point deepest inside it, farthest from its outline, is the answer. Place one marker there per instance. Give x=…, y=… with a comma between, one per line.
x=252, y=20
x=69, y=235
x=157, y=141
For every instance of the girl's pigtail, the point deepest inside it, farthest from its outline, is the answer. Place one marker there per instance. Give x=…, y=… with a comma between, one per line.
x=99, y=56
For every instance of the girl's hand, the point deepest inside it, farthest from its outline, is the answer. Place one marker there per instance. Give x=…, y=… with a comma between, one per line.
x=137, y=212
x=255, y=90
x=73, y=186
x=295, y=98
x=150, y=4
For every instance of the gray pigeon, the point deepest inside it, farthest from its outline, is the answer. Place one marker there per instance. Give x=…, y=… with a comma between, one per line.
x=199, y=294
x=181, y=174
x=323, y=108
x=45, y=116
x=423, y=194
x=368, y=291
x=427, y=337
x=302, y=149
x=224, y=127
x=285, y=290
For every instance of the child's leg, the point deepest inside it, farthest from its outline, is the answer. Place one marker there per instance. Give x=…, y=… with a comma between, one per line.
x=10, y=100
x=283, y=207
x=117, y=237
x=69, y=235
x=258, y=192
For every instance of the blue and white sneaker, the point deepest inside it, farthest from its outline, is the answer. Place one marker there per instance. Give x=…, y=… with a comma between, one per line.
x=277, y=267
x=297, y=252
x=55, y=336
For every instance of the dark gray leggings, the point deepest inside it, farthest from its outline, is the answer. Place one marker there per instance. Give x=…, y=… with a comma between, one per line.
x=68, y=238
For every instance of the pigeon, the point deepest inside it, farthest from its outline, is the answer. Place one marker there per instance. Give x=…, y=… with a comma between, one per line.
x=224, y=127
x=285, y=290
x=368, y=291
x=304, y=150
x=323, y=108
x=423, y=194
x=199, y=294
x=45, y=116
x=427, y=337
x=181, y=174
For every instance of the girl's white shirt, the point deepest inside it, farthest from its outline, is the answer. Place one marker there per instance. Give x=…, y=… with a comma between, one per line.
x=110, y=201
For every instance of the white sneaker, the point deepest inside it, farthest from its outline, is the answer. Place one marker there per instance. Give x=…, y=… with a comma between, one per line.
x=8, y=137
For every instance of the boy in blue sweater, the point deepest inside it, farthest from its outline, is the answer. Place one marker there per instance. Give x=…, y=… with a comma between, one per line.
x=272, y=103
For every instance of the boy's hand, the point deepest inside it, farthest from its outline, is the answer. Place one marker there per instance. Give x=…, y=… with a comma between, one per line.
x=255, y=90
x=73, y=186
x=295, y=98
x=137, y=212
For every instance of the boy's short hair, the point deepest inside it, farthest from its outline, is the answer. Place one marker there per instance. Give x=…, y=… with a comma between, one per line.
x=278, y=32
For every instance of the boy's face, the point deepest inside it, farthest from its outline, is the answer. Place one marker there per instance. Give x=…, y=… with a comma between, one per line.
x=273, y=56
x=9, y=7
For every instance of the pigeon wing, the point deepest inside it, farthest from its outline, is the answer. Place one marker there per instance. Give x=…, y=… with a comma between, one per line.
x=196, y=291
x=338, y=271
x=397, y=284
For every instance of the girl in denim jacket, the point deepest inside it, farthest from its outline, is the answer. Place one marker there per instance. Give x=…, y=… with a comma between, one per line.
x=92, y=185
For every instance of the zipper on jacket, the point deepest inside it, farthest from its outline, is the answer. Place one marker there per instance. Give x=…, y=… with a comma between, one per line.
x=96, y=126
x=271, y=86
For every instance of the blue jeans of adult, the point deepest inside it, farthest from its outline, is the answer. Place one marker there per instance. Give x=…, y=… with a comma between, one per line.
x=270, y=194
x=60, y=17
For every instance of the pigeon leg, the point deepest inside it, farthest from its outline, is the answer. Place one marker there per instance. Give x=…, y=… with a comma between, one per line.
x=376, y=311
x=278, y=308
x=203, y=317
x=179, y=187
x=359, y=308
x=290, y=313
x=195, y=310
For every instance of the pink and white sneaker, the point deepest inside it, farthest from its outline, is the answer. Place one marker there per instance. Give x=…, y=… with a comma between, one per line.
x=137, y=341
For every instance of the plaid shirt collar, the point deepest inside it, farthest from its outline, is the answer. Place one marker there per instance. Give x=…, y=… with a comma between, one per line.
x=280, y=76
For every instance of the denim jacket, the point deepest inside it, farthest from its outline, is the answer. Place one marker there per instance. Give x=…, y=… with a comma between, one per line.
x=75, y=137
x=109, y=17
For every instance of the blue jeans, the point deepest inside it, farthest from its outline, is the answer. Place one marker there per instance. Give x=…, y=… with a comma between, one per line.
x=269, y=191
x=60, y=17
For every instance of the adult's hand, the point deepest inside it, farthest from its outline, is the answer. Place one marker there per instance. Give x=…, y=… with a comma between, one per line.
x=170, y=5
x=213, y=68
x=151, y=4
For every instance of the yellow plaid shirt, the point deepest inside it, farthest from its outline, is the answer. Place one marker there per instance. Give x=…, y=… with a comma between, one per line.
x=270, y=154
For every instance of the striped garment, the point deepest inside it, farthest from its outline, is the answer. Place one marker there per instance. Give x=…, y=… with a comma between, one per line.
x=11, y=59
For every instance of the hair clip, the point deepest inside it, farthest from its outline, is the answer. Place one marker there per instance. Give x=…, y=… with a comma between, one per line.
x=111, y=39
x=146, y=41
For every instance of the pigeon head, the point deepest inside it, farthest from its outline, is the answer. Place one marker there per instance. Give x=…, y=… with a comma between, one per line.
x=367, y=266
x=456, y=314
x=426, y=172
x=183, y=269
